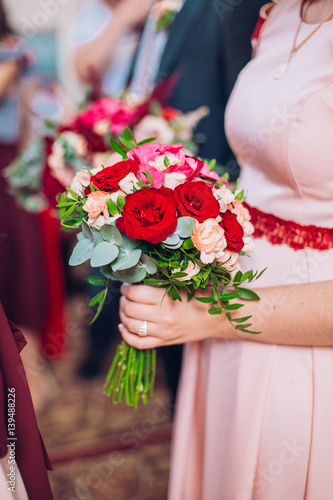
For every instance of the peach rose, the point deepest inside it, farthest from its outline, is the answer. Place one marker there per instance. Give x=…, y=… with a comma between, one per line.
x=80, y=182
x=208, y=237
x=228, y=260
x=243, y=217
x=224, y=196
x=192, y=270
x=96, y=205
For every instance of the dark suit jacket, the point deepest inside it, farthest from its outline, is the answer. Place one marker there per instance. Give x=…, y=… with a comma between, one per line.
x=208, y=45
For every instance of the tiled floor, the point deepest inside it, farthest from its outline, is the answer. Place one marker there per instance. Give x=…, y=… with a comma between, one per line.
x=99, y=451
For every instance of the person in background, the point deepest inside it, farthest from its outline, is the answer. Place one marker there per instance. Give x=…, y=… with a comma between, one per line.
x=104, y=38
x=22, y=269
x=23, y=459
x=255, y=411
x=205, y=46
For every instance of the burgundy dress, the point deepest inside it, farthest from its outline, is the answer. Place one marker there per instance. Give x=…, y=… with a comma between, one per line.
x=30, y=455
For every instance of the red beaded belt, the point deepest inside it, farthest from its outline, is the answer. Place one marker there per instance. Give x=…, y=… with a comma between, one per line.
x=279, y=231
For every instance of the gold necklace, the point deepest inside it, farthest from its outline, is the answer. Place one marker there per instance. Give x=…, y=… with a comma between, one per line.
x=295, y=48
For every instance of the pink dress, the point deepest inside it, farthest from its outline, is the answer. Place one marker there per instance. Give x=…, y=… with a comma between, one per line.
x=255, y=421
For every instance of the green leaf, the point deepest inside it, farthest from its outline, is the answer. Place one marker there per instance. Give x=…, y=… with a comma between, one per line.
x=111, y=234
x=174, y=294
x=185, y=227
x=118, y=148
x=132, y=275
x=121, y=202
x=156, y=283
x=241, y=320
x=113, y=209
x=126, y=143
x=127, y=260
x=82, y=252
x=96, y=280
x=103, y=254
x=238, y=277
x=107, y=271
x=205, y=300
x=215, y=310
x=86, y=229
x=172, y=240
x=148, y=264
x=146, y=141
x=188, y=244
x=128, y=134
x=247, y=294
x=81, y=236
x=233, y=307
x=149, y=177
x=130, y=244
x=95, y=300
x=243, y=327
x=228, y=296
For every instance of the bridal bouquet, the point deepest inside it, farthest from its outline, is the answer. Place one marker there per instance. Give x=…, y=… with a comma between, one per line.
x=163, y=218
x=49, y=165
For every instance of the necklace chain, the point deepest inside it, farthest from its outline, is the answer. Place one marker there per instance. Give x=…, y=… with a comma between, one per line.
x=295, y=48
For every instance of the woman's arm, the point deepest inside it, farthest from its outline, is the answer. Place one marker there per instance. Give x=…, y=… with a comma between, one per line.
x=289, y=315
x=95, y=55
x=9, y=71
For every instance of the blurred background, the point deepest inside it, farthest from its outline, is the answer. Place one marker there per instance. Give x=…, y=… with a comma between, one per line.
x=98, y=451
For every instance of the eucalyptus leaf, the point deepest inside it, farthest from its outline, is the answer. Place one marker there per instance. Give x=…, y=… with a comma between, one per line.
x=81, y=236
x=111, y=234
x=87, y=230
x=148, y=264
x=107, y=271
x=104, y=253
x=130, y=244
x=82, y=251
x=185, y=227
x=133, y=275
x=126, y=260
x=172, y=240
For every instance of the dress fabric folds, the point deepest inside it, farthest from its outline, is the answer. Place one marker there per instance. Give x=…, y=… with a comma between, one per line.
x=254, y=421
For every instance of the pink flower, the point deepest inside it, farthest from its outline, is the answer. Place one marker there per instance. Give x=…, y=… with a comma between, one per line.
x=208, y=238
x=96, y=205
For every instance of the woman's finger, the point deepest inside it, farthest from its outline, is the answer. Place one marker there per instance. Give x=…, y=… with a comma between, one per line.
x=134, y=325
x=143, y=312
x=139, y=342
x=142, y=293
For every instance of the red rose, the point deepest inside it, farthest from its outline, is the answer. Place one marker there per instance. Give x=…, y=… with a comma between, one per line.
x=195, y=199
x=233, y=231
x=108, y=178
x=149, y=214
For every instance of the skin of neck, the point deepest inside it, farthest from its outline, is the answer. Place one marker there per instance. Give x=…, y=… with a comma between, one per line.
x=317, y=11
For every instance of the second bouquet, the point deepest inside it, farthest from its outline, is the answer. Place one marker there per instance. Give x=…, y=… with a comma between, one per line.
x=166, y=219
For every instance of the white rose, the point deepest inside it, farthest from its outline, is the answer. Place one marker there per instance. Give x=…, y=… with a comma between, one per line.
x=174, y=179
x=248, y=244
x=80, y=182
x=224, y=196
x=128, y=183
x=159, y=162
x=154, y=126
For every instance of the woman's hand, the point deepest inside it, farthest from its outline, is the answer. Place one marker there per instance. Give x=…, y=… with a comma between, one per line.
x=168, y=322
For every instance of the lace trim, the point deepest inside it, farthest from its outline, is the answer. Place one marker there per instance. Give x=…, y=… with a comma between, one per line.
x=278, y=231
